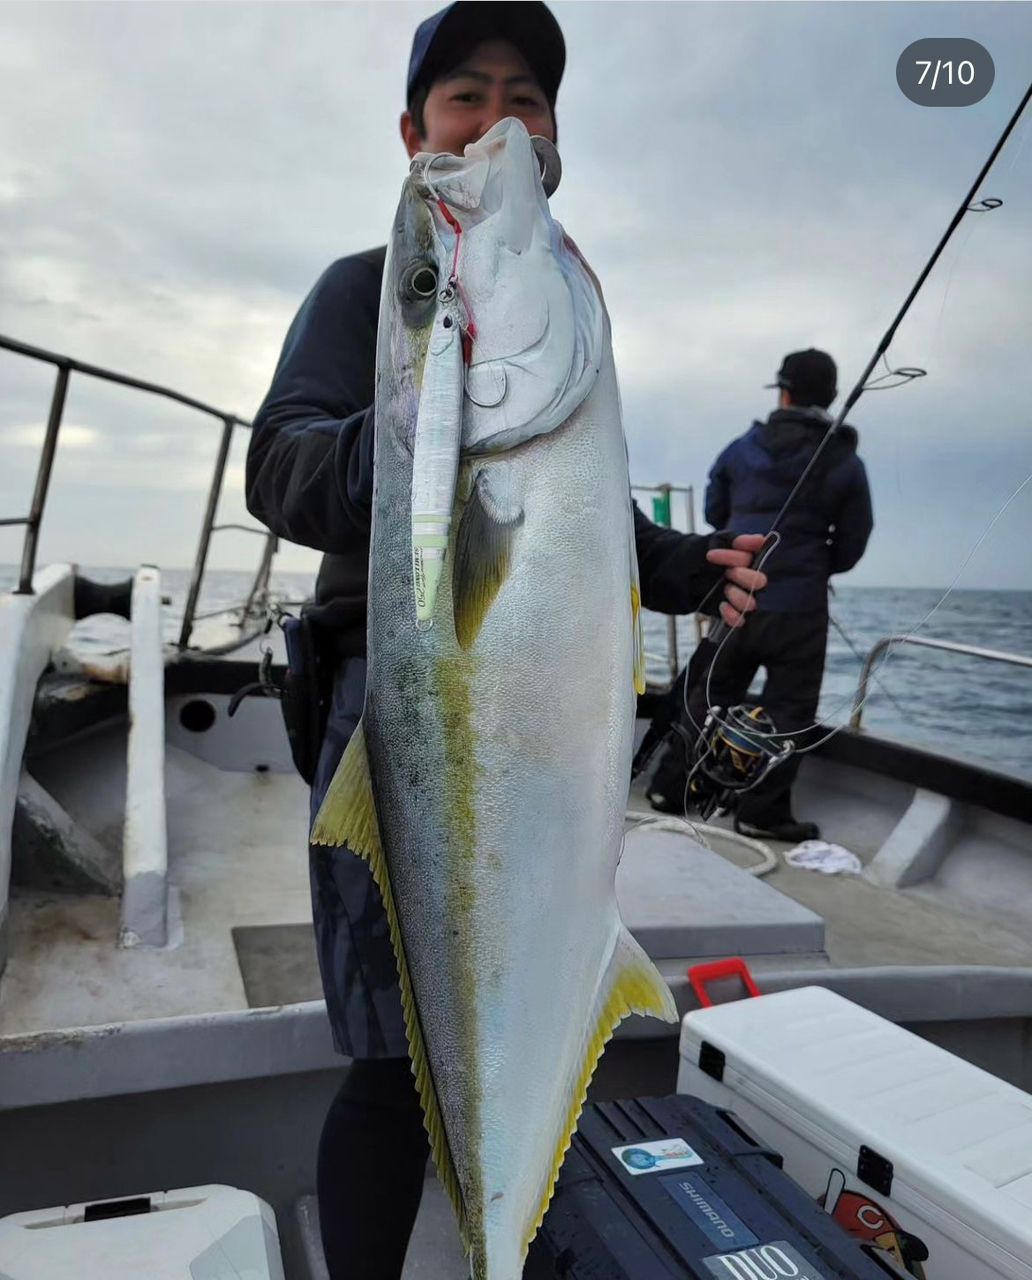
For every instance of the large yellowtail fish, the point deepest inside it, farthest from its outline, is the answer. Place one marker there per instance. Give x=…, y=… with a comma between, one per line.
x=487, y=782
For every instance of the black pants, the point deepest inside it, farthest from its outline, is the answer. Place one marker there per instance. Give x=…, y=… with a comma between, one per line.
x=791, y=648
x=372, y=1163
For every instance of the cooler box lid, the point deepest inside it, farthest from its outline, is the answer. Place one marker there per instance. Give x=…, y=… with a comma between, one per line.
x=955, y=1134
x=197, y=1233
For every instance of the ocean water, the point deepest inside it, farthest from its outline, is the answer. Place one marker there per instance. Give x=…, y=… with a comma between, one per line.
x=963, y=706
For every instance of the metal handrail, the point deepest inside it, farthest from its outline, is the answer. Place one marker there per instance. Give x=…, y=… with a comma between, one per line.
x=66, y=366
x=109, y=375
x=949, y=646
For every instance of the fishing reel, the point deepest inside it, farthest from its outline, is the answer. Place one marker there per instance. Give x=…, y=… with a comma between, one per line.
x=736, y=750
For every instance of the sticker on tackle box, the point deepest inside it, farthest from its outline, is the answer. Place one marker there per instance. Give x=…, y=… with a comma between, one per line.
x=657, y=1157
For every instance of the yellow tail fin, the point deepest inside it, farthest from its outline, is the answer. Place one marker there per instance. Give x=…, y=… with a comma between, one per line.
x=348, y=816
x=631, y=984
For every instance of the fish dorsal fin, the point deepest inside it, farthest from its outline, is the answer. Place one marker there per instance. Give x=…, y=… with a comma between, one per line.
x=483, y=556
x=638, y=630
x=630, y=984
x=348, y=816
x=637, y=625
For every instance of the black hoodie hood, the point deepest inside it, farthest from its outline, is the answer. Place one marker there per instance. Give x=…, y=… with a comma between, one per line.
x=791, y=430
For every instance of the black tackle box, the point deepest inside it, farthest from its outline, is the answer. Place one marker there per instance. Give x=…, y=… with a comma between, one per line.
x=676, y=1189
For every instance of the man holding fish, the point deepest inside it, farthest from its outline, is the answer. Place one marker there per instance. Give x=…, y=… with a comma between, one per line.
x=498, y=569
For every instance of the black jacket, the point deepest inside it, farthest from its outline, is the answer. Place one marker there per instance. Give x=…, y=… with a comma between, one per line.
x=310, y=460
x=826, y=528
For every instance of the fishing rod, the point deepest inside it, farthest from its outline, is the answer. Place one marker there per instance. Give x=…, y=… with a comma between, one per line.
x=735, y=754
x=860, y=657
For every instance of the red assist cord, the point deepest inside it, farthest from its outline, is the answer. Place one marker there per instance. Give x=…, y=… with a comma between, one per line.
x=469, y=330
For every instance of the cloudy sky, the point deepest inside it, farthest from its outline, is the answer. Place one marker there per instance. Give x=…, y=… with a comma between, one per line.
x=746, y=179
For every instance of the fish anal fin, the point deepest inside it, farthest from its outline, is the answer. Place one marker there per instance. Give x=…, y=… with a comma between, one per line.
x=631, y=984
x=483, y=557
x=348, y=816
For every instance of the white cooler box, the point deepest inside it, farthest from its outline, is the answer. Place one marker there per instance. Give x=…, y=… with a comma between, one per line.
x=198, y=1233
x=908, y=1146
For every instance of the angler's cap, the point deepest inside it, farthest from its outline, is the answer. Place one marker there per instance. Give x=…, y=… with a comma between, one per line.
x=810, y=376
x=531, y=27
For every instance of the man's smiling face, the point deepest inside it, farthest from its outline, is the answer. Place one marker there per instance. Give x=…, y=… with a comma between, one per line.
x=493, y=82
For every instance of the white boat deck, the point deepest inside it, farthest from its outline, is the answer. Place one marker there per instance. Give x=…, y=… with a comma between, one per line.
x=237, y=858
x=240, y=928
x=868, y=924
x=237, y=861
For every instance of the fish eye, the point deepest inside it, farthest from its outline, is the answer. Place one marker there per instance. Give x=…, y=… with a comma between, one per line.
x=421, y=282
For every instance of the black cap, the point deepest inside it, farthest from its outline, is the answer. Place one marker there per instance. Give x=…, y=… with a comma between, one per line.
x=809, y=376
x=530, y=27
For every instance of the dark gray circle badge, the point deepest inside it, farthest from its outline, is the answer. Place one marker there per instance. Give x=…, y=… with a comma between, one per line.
x=944, y=71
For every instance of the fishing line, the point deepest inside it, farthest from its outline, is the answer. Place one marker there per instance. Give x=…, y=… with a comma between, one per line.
x=635, y=821
x=860, y=658
x=933, y=346
x=825, y=721
x=892, y=648
x=903, y=375
x=764, y=557
x=1025, y=133
x=469, y=329
x=721, y=632
x=966, y=206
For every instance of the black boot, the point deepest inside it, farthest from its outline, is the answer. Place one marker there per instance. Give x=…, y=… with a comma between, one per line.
x=779, y=829
x=665, y=804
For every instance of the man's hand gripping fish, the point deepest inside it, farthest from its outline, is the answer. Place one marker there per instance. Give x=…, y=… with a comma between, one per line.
x=487, y=781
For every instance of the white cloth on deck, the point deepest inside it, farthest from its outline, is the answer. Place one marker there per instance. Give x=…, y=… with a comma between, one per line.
x=819, y=855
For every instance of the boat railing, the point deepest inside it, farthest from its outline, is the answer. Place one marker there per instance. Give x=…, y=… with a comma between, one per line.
x=948, y=646
x=65, y=367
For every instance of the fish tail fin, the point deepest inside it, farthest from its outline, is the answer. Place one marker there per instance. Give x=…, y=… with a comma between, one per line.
x=630, y=984
x=348, y=816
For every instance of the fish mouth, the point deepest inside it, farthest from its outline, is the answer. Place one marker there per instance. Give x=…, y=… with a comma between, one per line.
x=531, y=331
x=460, y=180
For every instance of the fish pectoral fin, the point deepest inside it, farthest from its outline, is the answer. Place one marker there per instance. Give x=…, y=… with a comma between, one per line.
x=630, y=984
x=347, y=815
x=483, y=557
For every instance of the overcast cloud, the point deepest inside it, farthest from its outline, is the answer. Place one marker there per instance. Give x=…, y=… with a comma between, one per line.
x=745, y=178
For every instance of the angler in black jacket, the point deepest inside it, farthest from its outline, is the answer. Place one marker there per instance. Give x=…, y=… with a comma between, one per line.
x=823, y=532
x=309, y=479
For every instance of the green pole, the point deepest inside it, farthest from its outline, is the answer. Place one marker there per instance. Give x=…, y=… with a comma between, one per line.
x=661, y=507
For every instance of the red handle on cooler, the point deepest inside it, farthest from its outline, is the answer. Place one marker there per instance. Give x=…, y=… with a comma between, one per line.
x=735, y=967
